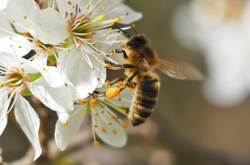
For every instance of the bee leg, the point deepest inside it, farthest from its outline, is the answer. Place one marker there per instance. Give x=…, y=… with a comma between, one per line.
x=122, y=79
x=128, y=82
x=120, y=67
x=119, y=51
x=132, y=85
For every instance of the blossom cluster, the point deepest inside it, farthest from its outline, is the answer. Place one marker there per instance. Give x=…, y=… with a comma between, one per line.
x=70, y=40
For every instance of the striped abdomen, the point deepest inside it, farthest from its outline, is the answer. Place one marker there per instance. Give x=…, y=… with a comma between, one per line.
x=144, y=100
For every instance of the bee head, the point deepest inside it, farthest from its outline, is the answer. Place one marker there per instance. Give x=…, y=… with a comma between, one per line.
x=137, y=41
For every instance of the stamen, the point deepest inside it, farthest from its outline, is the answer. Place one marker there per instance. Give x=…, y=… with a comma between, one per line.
x=96, y=143
x=66, y=123
x=103, y=130
x=81, y=100
x=114, y=131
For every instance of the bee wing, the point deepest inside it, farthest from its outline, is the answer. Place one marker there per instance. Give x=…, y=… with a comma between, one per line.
x=180, y=71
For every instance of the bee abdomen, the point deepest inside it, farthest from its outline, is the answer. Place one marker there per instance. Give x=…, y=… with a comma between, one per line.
x=144, y=101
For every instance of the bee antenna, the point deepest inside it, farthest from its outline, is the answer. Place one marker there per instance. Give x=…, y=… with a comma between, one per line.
x=122, y=31
x=134, y=29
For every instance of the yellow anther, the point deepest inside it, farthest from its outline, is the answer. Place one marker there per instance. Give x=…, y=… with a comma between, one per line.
x=117, y=118
x=109, y=6
x=88, y=4
x=11, y=46
x=118, y=19
x=83, y=17
x=95, y=42
x=119, y=99
x=100, y=0
x=1, y=85
x=103, y=130
x=102, y=112
x=114, y=131
x=33, y=57
x=80, y=21
x=98, y=58
x=25, y=17
x=111, y=54
x=110, y=123
x=21, y=63
x=81, y=100
x=39, y=43
x=11, y=38
x=7, y=113
x=71, y=14
x=87, y=7
x=101, y=17
x=30, y=25
x=93, y=105
x=122, y=107
x=57, y=63
x=91, y=53
x=66, y=123
x=121, y=32
x=6, y=69
x=36, y=46
x=110, y=32
x=126, y=14
x=73, y=7
x=13, y=21
x=24, y=35
x=19, y=47
x=107, y=83
x=94, y=101
x=66, y=42
x=112, y=24
x=133, y=25
x=69, y=2
x=125, y=3
x=120, y=41
x=15, y=68
x=101, y=54
x=130, y=88
x=118, y=63
x=48, y=48
x=68, y=49
x=98, y=79
x=96, y=114
x=96, y=143
x=89, y=18
x=126, y=41
x=13, y=89
x=111, y=116
x=125, y=125
x=89, y=39
x=28, y=87
x=93, y=68
x=95, y=126
x=44, y=69
x=90, y=33
x=103, y=7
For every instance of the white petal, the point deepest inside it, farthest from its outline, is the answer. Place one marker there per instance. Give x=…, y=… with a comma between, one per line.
x=16, y=10
x=3, y=123
x=5, y=25
x=123, y=9
x=49, y=26
x=63, y=134
x=29, y=122
x=3, y=4
x=63, y=116
x=74, y=67
x=15, y=42
x=115, y=140
x=51, y=75
x=57, y=99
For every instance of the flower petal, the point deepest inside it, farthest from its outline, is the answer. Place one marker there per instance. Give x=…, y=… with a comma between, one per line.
x=123, y=99
x=3, y=123
x=73, y=66
x=57, y=99
x=49, y=26
x=63, y=134
x=3, y=4
x=29, y=122
x=114, y=135
x=16, y=10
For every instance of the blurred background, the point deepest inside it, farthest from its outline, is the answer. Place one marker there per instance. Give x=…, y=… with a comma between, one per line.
x=194, y=123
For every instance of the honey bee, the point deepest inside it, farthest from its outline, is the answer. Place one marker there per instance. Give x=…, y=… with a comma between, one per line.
x=141, y=61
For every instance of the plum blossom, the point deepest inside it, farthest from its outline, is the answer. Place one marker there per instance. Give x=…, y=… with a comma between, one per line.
x=106, y=124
